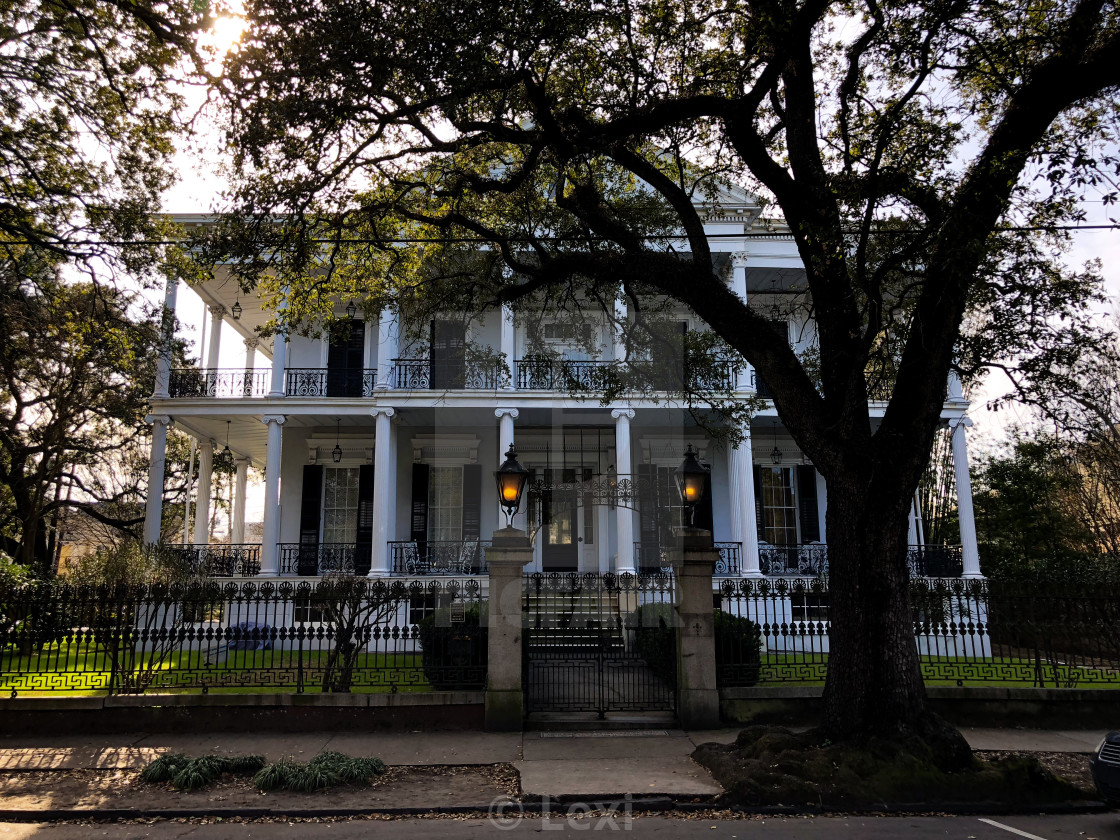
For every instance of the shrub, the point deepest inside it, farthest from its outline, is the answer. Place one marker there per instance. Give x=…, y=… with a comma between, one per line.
x=455, y=654
x=737, y=642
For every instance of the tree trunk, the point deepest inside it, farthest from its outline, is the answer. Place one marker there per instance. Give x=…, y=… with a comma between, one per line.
x=874, y=686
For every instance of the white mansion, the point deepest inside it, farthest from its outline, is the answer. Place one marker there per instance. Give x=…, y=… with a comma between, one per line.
x=379, y=453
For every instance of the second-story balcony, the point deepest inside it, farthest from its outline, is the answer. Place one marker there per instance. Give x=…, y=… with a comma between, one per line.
x=448, y=375
x=331, y=382
x=188, y=383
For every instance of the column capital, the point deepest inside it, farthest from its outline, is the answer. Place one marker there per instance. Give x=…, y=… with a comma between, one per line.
x=506, y=412
x=216, y=310
x=252, y=342
x=160, y=419
x=386, y=410
x=954, y=422
x=739, y=259
x=619, y=413
x=242, y=461
x=278, y=419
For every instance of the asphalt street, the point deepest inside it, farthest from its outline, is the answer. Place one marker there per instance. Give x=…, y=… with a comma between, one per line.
x=1064, y=827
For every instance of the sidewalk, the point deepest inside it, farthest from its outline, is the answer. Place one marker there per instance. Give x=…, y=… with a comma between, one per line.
x=568, y=765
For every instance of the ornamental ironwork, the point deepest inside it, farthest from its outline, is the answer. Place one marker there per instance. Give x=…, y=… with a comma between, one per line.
x=331, y=382
x=238, y=560
x=194, y=383
x=325, y=558
x=438, y=557
x=452, y=375
x=562, y=375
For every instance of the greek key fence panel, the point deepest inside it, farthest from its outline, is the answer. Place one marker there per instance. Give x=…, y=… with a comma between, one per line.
x=966, y=632
x=343, y=634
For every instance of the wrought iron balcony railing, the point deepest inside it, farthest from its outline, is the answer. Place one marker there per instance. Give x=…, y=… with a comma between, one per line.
x=443, y=557
x=935, y=561
x=652, y=558
x=308, y=560
x=561, y=375
x=455, y=375
x=923, y=560
x=331, y=382
x=238, y=560
x=212, y=382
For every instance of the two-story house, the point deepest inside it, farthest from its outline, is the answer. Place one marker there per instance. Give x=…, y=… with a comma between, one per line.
x=379, y=450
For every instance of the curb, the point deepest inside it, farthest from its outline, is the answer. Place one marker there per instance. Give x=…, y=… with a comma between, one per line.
x=648, y=805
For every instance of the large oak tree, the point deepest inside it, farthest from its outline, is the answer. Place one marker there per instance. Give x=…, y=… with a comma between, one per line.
x=917, y=151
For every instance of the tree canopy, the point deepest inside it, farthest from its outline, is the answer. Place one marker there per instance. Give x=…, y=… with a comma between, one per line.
x=921, y=155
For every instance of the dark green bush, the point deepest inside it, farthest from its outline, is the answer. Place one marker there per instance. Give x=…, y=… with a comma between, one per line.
x=455, y=654
x=737, y=640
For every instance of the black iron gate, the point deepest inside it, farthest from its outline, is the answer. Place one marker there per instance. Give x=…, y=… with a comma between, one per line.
x=599, y=643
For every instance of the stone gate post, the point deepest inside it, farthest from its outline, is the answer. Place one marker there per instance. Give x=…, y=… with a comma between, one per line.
x=697, y=695
x=510, y=552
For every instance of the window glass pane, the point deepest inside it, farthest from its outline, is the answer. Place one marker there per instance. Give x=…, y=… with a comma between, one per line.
x=340, y=505
x=779, y=513
x=445, y=503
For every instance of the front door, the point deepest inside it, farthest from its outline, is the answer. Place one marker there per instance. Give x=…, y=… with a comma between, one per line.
x=559, y=522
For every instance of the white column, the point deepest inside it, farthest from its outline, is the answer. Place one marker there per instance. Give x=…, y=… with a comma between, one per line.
x=250, y=363
x=620, y=315
x=384, y=489
x=216, y=315
x=386, y=349
x=624, y=515
x=506, y=416
x=153, y=515
x=167, y=337
x=279, y=364
x=748, y=516
x=603, y=535
x=270, y=537
x=734, y=491
x=739, y=287
x=912, y=525
x=509, y=346
x=822, y=506
x=205, y=481
x=241, y=480
x=956, y=391
x=970, y=551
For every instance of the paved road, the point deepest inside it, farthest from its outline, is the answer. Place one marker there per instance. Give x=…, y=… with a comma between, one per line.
x=1078, y=827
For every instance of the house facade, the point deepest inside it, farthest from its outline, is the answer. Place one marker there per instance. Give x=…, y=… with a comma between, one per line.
x=378, y=450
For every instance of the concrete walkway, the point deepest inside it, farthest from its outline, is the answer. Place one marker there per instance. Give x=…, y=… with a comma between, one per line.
x=570, y=764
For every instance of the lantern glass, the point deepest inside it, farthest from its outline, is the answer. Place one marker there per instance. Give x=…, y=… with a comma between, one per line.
x=511, y=479
x=351, y=310
x=236, y=310
x=692, y=480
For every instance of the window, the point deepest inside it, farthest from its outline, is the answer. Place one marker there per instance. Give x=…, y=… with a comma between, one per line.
x=307, y=612
x=809, y=607
x=425, y=606
x=445, y=504
x=340, y=505
x=779, y=511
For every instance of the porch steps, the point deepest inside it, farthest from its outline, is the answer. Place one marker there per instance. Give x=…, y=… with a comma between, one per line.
x=588, y=723
x=568, y=623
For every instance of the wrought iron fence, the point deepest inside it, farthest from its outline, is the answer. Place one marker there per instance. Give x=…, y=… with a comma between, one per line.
x=331, y=382
x=966, y=632
x=442, y=557
x=562, y=375
x=653, y=559
x=464, y=374
x=933, y=561
x=340, y=635
x=192, y=382
x=243, y=560
x=309, y=559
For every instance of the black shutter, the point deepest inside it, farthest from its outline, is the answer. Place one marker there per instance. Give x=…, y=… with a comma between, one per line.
x=447, y=354
x=418, y=530
x=345, y=360
x=760, y=525
x=472, y=502
x=807, y=504
x=649, y=534
x=704, y=517
x=363, y=539
x=310, y=514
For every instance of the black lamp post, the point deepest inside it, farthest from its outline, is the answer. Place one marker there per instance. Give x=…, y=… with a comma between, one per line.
x=692, y=480
x=511, y=478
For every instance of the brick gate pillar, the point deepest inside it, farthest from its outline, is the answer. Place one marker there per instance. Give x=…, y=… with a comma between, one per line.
x=510, y=552
x=697, y=695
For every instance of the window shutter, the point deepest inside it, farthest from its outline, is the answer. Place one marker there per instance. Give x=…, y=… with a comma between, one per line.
x=472, y=502
x=447, y=354
x=419, y=527
x=649, y=535
x=807, y=504
x=759, y=523
x=363, y=539
x=310, y=514
x=345, y=362
x=704, y=518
